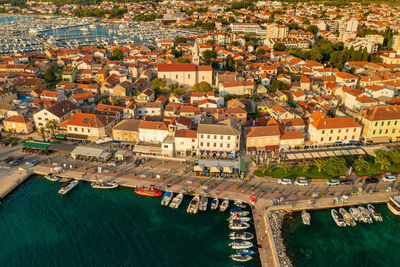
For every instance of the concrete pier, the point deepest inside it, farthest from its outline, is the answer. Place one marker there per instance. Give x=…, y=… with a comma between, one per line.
x=11, y=178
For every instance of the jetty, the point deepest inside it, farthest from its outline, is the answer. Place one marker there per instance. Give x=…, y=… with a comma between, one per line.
x=11, y=178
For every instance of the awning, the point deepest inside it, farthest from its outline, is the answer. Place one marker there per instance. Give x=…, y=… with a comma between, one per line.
x=104, y=140
x=290, y=156
x=61, y=136
x=59, y=147
x=271, y=147
x=197, y=168
x=380, y=139
x=227, y=170
x=36, y=145
x=77, y=136
x=214, y=169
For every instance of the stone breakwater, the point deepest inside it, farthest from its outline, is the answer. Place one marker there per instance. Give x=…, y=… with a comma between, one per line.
x=276, y=219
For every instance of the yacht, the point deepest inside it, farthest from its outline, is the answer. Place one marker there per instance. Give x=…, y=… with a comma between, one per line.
x=194, y=205
x=203, y=203
x=356, y=214
x=51, y=177
x=176, y=201
x=238, y=211
x=306, y=217
x=64, y=179
x=348, y=219
x=214, y=204
x=365, y=215
x=224, y=205
x=241, y=257
x=394, y=205
x=241, y=235
x=240, y=244
x=246, y=252
x=104, y=185
x=375, y=213
x=68, y=187
x=239, y=204
x=338, y=218
x=167, y=198
x=238, y=225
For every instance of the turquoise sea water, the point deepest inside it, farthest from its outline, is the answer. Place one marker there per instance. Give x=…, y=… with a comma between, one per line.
x=325, y=244
x=89, y=227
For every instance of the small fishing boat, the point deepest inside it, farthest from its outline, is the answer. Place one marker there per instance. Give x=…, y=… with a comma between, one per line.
x=104, y=185
x=166, y=198
x=238, y=225
x=64, y=179
x=306, y=217
x=239, y=204
x=338, y=218
x=246, y=252
x=241, y=258
x=51, y=177
x=193, y=205
x=375, y=213
x=148, y=191
x=355, y=212
x=176, y=201
x=203, y=203
x=224, y=205
x=239, y=211
x=241, y=235
x=214, y=204
x=394, y=205
x=238, y=217
x=365, y=215
x=348, y=219
x=68, y=187
x=240, y=244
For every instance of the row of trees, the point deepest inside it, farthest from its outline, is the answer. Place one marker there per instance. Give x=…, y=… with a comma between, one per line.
x=99, y=12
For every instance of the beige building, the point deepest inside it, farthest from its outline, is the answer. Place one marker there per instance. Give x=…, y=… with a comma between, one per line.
x=396, y=42
x=186, y=143
x=261, y=139
x=277, y=31
x=126, y=131
x=18, y=124
x=58, y=112
x=381, y=123
x=328, y=131
x=186, y=75
x=221, y=137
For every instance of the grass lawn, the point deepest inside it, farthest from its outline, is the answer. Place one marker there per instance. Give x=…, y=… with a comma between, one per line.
x=375, y=169
x=294, y=172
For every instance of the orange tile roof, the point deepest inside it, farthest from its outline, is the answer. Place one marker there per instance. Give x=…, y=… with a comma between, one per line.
x=335, y=123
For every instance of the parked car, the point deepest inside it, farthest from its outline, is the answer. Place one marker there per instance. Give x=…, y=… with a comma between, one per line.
x=13, y=144
x=17, y=161
x=389, y=178
x=332, y=182
x=372, y=180
x=5, y=143
x=346, y=181
x=8, y=159
x=113, y=163
x=284, y=181
x=301, y=182
x=32, y=163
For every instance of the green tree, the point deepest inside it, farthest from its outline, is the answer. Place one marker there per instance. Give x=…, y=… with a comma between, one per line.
x=183, y=60
x=360, y=164
x=260, y=52
x=365, y=54
x=202, y=87
x=179, y=91
x=279, y=47
x=42, y=133
x=158, y=83
x=117, y=54
x=173, y=86
x=320, y=164
x=51, y=126
x=116, y=102
x=208, y=55
x=229, y=64
x=335, y=166
x=312, y=28
x=278, y=85
x=180, y=39
x=382, y=160
x=394, y=156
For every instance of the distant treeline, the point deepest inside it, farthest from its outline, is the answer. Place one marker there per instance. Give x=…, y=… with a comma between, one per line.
x=99, y=13
x=342, y=2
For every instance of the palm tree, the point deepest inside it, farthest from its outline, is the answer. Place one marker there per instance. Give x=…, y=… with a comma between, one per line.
x=42, y=133
x=360, y=164
x=383, y=161
x=320, y=163
x=305, y=168
x=51, y=126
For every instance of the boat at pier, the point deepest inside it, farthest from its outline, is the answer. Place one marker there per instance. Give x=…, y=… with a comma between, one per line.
x=104, y=185
x=51, y=177
x=348, y=219
x=214, y=204
x=239, y=218
x=167, y=198
x=239, y=211
x=241, y=235
x=394, y=205
x=246, y=252
x=338, y=218
x=365, y=215
x=68, y=187
x=241, y=258
x=64, y=179
x=355, y=212
x=224, y=205
x=148, y=191
x=375, y=213
x=240, y=244
x=176, y=201
x=203, y=203
x=194, y=205
x=239, y=204
x=306, y=217
x=238, y=225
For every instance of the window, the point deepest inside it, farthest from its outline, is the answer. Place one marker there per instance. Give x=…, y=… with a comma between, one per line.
x=229, y=138
x=208, y=144
x=347, y=130
x=380, y=131
x=40, y=118
x=393, y=131
x=176, y=76
x=208, y=136
x=388, y=123
x=337, y=138
x=323, y=131
x=75, y=129
x=386, y=131
x=330, y=138
x=331, y=131
x=339, y=130
x=88, y=130
x=215, y=144
x=395, y=123
x=215, y=137
x=83, y=130
x=345, y=137
x=193, y=140
x=201, y=143
x=188, y=76
x=222, y=137
x=382, y=123
x=221, y=145
x=252, y=141
x=228, y=145
x=259, y=141
x=376, y=123
x=354, y=130
x=202, y=136
x=374, y=132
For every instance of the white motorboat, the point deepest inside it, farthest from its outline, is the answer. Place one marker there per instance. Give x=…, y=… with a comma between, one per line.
x=203, y=203
x=306, y=217
x=240, y=218
x=238, y=225
x=240, y=244
x=375, y=213
x=167, y=198
x=394, y=205
x=224, y=205
x=239, y=211
x=176, y=201
x=355, y=212
x=214, y=204
x=365, y=215
x=241, y=257
x=348, y=219
x=68, y=187
x=241, y=235
x=194, y=205
x=239, y=204
x=51, y=177
x=104, y=185
x=245, y=252
x=338, y=218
